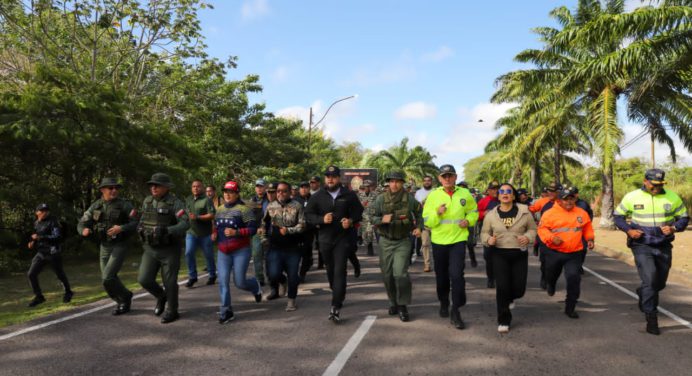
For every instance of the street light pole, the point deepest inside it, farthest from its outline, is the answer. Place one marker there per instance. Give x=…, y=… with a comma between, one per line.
x=311, y=125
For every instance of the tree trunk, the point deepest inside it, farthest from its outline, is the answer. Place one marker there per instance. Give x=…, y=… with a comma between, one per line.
x=535, y=179
x=556, y=164
x=607, y=199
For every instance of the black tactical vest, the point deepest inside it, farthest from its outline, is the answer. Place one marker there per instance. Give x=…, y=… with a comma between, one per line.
x=108, y=215
x=159, y=214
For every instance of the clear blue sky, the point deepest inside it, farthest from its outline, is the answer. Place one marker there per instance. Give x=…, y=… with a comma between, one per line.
x=421, y=69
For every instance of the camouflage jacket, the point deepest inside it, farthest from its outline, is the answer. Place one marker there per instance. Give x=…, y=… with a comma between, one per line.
x=290, y=215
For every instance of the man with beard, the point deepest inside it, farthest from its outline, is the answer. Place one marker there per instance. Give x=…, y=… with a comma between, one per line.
x=335, y=209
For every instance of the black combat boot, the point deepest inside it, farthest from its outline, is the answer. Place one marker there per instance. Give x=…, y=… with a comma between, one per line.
x=652, y=324
x=444, y=309
x=403, y=313
x=455, y=319
x=569, y=310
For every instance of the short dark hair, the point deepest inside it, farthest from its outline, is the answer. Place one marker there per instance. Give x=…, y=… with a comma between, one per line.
x=283, y=182
x=211, y=186
x=514, y=191
x=197, y=180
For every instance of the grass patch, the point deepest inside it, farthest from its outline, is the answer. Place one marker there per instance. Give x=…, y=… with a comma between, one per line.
x=85, y=280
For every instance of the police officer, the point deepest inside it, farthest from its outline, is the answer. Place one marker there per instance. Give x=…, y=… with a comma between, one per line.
x=161, y=228
x=46, y=241
x=396, y=214
x=655, y=214
x=111, y=220
x=450, y=212
x=563, y=229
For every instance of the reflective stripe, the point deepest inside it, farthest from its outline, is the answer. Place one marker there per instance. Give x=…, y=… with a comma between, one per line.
x=652, y=223
x=621, y=209
x=679, y=208
x=654, y=215
x=566, y=229
x=450, y=221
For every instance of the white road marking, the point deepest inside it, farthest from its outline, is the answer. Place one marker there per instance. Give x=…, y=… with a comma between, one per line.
x=342, y=357
x=666, y=312
x=74, y=316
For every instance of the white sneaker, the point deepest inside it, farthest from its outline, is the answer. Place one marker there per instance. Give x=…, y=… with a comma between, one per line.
x=512, y=305
x=413, y=258
x=291, y=305
x=503, y=329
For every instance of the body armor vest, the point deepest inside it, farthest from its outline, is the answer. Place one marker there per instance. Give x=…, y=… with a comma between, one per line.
x=106, y=217
x=401, y=223
x=156, y=216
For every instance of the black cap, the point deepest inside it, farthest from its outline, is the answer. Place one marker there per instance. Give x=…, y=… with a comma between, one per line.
x=494, y=185
x=271, y=187
x=109, y=182
x=447, y=169
x=522, y=191
x=566, y=192
x=315, y=178
x=655, y=176
x=332, y=171
x=395, y=175
x=552, y=187
x=463, y=184
x=574, y=189
x=304, y=184
x=42, y=207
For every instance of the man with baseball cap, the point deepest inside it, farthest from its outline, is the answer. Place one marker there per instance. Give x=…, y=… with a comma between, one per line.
x=655, y=215
x=562, y=230
x=161, y=228
x=46, y=242
x=335, y=209
x=111, y=220
x=450, y=212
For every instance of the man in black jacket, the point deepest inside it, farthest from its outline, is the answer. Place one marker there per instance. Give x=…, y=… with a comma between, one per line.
x=335, y=209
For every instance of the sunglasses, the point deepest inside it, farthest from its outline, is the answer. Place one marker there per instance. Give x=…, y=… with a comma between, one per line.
x=505, y=191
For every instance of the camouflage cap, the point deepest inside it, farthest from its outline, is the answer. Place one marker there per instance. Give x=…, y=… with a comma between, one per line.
x=395, y=175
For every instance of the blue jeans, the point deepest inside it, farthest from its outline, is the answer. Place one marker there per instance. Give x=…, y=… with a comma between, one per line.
x=238, y=262
x=284, y=260
x=191, y=244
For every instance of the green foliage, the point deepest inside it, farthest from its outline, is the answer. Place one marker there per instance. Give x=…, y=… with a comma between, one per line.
x=415, y=162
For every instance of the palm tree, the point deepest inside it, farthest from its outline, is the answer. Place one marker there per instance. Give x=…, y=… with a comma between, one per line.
x=600, y=54
x=414, y=162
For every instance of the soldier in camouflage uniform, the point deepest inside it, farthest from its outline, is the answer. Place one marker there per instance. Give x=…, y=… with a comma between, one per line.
x=111, y=220
x=366, y=197
x=161, y=228
x=396, y=215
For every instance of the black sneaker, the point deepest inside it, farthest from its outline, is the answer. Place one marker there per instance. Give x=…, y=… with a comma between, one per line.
x=393, y=310
x=38, y=299
x=122, y=308
x=226, y=317
x=160, y=306
x=334, y=315
x=456, y=320
x=211, y=281
x=444, y=310
x=403, y=314
x=258, y=296
x=652, y=324
x=169, y=317
x=550, y=289
x=191, y=282
x=67, y=297
x=572, y=314
x=273, y=294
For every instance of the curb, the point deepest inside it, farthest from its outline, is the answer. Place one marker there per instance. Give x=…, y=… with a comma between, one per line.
x=675, y=275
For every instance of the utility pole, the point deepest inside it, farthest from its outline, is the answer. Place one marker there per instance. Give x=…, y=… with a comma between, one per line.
x=653, y=158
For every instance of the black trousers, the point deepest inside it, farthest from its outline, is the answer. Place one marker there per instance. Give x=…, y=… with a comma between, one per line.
x=37, y=264
x=306, y=253
x=335, y=256
x=653, y=265
x=489, y=271
x=510, y=267
x=555, y=262
x=449, y=270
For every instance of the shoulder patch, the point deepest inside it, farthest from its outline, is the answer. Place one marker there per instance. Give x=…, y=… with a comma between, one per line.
x=667, y=207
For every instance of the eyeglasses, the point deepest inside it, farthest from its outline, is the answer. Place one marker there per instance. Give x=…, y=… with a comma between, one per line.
x=505, y=191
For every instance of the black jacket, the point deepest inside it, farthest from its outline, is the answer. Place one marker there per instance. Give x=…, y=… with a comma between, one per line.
x=346, y=205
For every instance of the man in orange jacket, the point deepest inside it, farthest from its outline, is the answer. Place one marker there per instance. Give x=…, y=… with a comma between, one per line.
x=561, y=230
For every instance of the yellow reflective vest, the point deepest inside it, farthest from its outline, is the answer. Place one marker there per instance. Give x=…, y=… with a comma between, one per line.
x=444, y=229
x=648, y=213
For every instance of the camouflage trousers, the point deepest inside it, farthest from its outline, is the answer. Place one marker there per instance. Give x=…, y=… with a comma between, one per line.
x=366, y=231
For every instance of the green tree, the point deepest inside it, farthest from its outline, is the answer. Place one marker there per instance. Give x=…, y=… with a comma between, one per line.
x=415, y=162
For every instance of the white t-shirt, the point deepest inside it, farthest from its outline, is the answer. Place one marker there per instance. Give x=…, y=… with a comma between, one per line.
x=334, y=194
x=422, y=194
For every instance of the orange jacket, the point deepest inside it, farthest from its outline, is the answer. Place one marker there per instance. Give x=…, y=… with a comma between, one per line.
x=538, y=204
x=571, y=226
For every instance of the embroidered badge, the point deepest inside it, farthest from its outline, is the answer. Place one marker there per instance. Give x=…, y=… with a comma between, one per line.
x=580, y=220
x=462, y=202
x=667, y=207
x=638, y=207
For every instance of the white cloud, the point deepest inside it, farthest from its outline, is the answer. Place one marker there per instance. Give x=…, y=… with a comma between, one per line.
x=438, y=55
x=253, y=9
x=416, y=110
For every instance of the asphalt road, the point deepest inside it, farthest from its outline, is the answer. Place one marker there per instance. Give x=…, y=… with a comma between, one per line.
x=609, y=337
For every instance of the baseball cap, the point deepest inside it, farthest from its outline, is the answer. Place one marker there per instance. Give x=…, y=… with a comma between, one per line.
x=315, y=179
x=231, y=186
x=332, y=171
x=447, y=169
x=304, y=184
x=42, y=206
x=566, y=192
x=271, y=187
x=494, y=185
x=522, y=191
x=260, y=182
x=655, y=176
x=552, y=187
